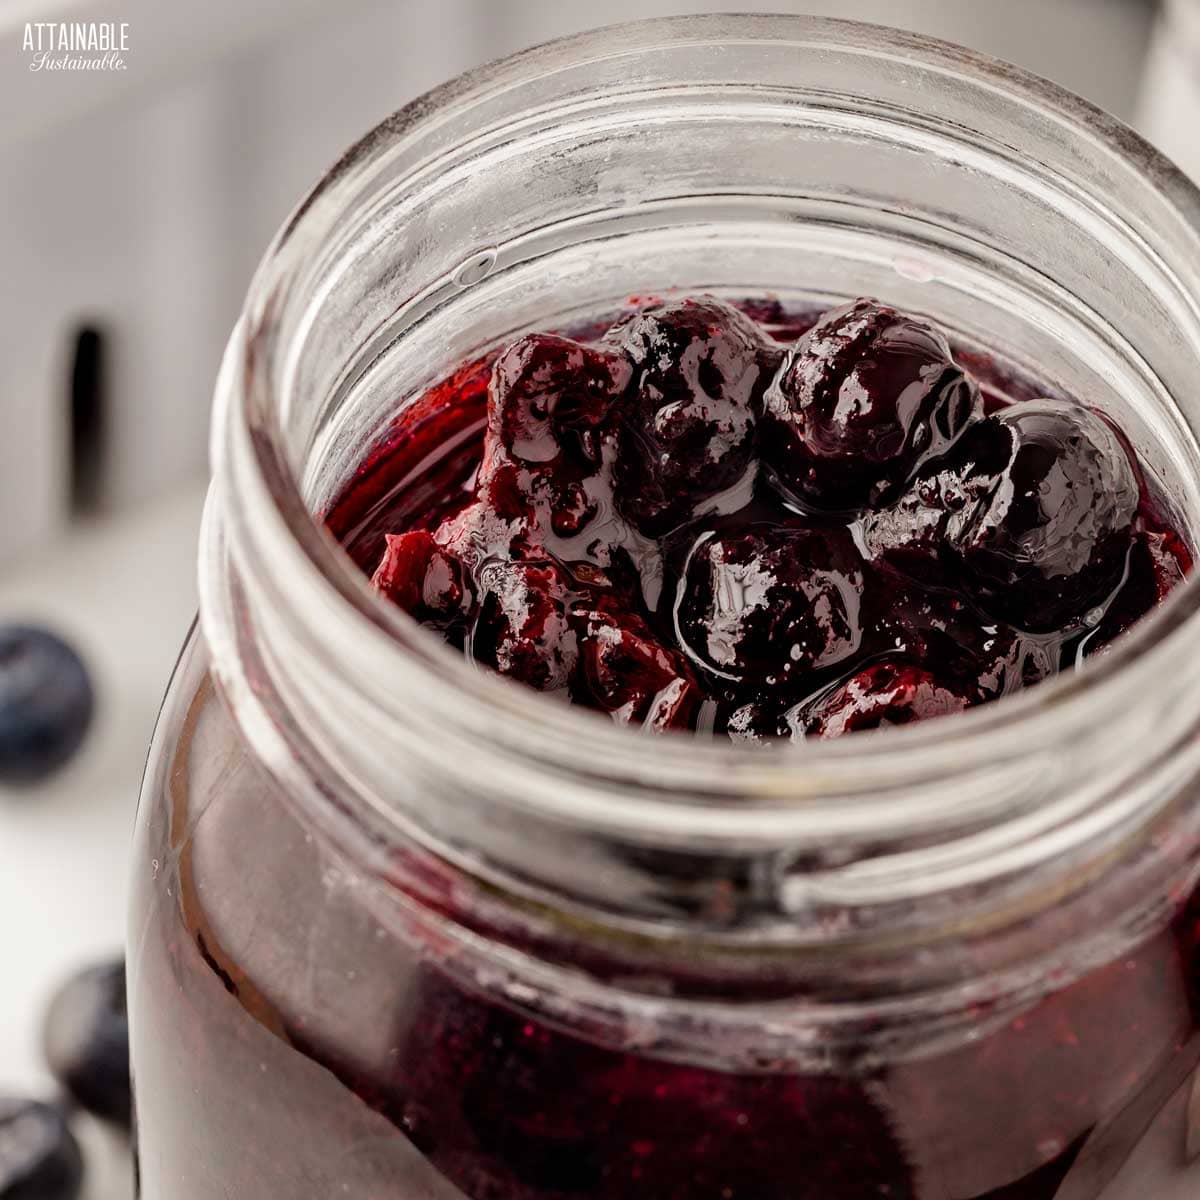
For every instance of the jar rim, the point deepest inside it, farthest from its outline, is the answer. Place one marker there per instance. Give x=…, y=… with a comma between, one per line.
x=778, y=792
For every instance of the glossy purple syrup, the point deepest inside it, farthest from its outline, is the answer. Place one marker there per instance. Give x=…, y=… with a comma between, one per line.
x=772, y=528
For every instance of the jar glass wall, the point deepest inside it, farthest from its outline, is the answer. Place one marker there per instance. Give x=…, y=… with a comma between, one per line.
x=398, y=928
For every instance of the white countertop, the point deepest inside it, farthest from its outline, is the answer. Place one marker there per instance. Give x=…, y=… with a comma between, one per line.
x=123, y=591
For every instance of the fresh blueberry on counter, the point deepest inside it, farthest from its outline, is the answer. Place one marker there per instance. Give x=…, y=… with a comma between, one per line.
x=85, y=1037
x=46, y=704
x=39, y=1156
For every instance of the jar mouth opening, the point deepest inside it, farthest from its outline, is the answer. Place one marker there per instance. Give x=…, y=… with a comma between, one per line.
x=663, y=770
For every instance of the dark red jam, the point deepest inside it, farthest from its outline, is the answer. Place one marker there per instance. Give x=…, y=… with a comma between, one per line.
x=760, y=527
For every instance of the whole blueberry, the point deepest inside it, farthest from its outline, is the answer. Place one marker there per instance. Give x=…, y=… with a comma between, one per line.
x=769, y=604
x=550, y=394
x=86, y=1041
x=545, y=475
x=915, y=536
x=39, y=1156
x=46, y=704
x=700, y=368
x=861, y=400
x=1031, y=513
x=1052, y=538
x=523, y=628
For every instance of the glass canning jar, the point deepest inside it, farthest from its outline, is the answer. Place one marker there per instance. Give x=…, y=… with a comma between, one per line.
x=402, y=929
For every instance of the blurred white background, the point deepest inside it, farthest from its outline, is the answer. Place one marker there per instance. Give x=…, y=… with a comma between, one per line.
x=134, y=206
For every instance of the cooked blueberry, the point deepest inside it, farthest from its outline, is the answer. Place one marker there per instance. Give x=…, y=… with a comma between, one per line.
x=39, y=1156
x=86, y=1041
x=46, y=704
x=550, y=393
x=688, y=431
x=523, y=628
x=422, y=577
x=860, y=401
x=627, y=673
x=886, y=693
x=1050, y=539
x=913, y=536
x=1032, y=512
x=770, y=604
x=550, y=446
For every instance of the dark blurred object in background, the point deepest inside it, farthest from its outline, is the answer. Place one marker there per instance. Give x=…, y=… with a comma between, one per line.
x=87, y=419
x=46, y=704
x=39, y=1156
x=85, y=1038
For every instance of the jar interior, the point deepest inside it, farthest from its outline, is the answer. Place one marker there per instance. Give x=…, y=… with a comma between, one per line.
x=569, y=212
